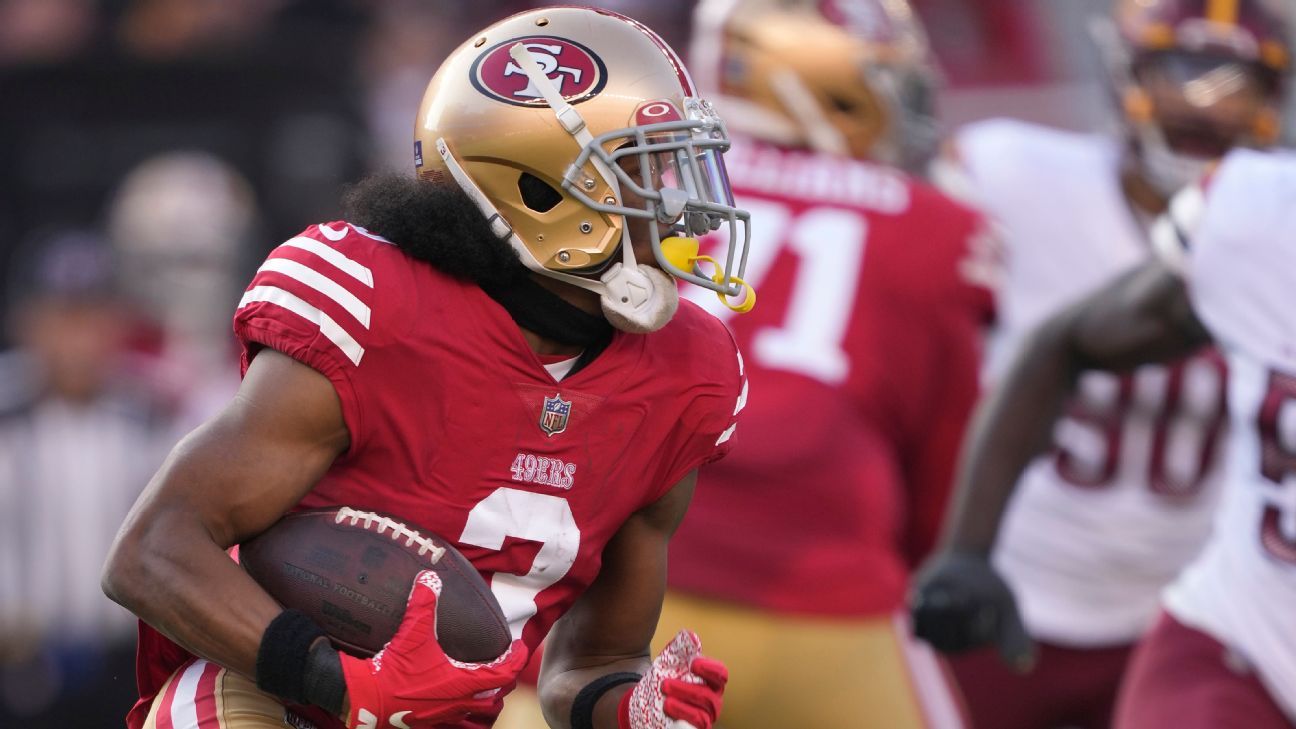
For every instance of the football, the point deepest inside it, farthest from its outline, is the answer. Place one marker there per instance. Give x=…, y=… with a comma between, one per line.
x=351, y=571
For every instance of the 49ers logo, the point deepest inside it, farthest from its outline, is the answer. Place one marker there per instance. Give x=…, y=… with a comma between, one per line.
x=575, y=71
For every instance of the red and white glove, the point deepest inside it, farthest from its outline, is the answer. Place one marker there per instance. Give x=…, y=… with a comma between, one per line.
x=412, y=683
x=682, y=689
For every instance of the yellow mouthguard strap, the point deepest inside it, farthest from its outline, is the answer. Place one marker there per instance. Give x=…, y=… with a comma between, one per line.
x=683, y=253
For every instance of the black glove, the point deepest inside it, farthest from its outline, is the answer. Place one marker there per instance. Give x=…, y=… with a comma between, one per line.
x=958, y=603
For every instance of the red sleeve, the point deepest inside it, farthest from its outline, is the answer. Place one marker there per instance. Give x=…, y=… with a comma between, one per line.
x=315, y=299
x=967, y=265
x=715, y=383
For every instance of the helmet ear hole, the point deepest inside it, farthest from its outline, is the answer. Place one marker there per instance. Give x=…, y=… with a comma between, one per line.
x=537, y=194
x=843, y=104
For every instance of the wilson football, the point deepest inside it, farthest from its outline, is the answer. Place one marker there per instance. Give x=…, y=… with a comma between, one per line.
x=351, y=571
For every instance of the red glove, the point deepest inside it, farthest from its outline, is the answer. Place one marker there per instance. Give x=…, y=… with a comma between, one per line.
x=682, y=686
x=412, y=683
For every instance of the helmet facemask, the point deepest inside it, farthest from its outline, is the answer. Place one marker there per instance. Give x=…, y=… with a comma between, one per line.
x=1191, y=86
x=675, y=171
x=1187, y=110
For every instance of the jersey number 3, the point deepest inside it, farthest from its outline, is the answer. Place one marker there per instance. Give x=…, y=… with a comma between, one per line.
x=542, y=518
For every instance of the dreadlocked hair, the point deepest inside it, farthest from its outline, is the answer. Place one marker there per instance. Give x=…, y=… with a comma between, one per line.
x=434, y=222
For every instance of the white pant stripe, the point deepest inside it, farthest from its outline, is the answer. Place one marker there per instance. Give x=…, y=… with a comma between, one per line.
x=930, y=683
x=184, y=706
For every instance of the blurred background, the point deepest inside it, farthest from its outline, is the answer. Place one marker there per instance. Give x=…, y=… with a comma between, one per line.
x=151, y=153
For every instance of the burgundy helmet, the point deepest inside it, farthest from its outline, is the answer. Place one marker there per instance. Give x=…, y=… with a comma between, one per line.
x=1197, y=77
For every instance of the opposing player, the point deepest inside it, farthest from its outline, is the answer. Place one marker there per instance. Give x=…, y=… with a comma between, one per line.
x=1220, y=653
x=1124, y=496
x=862, y=356
x=498, y=355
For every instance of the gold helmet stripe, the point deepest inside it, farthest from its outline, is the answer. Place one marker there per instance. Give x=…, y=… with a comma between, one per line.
x=1222, y=11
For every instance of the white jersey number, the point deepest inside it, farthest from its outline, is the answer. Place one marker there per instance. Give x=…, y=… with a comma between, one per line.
x=1277, y=423
x=829, y=244
x=1182, y=432
x=542, y=518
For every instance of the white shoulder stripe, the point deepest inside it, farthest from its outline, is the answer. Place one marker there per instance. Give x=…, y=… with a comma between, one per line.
x=321, y=283
x=727, y=434
x=329, y=328
x=335, y=257
x=742, y=398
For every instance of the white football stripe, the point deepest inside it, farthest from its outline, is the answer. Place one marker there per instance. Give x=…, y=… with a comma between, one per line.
x=335, y=257
x=184, y=707
x=328, y=327
x=321, y=283
x=727, y=434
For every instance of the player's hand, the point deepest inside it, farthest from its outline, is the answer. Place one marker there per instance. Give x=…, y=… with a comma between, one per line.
x=959, y=603
x=682, y=686
x=412, y=683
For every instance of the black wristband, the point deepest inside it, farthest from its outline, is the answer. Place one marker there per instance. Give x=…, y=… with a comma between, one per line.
x=582, y=713
x=284, y=655
x=324, y=684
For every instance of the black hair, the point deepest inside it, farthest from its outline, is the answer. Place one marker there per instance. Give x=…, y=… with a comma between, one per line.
x=434, y=222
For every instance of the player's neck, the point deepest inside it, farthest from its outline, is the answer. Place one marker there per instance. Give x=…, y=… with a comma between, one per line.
x=541, y=345
x=586, y=301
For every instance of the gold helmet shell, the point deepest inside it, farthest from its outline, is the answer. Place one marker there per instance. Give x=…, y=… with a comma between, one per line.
x=561, y=123
x=851, y=77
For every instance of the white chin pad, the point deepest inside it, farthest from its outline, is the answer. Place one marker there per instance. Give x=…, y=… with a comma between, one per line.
x=640, y=299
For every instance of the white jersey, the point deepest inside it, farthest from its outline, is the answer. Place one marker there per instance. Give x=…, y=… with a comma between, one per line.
x=1240, y=265
x=1101, y=524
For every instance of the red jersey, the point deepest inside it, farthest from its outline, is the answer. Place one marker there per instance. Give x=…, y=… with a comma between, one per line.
x=457, y=426
x=863, y=354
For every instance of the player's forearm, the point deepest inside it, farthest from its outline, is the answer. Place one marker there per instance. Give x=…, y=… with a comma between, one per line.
x=1010, y=428
x=558, y=689
x=165, y=568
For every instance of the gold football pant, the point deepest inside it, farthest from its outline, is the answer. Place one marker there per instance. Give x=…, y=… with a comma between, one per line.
x=814, y=673
x=202, y=695
x=788, y=672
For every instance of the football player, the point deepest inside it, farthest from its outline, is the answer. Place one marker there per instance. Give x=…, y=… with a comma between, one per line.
x=1219, y=655
x=495, y=350
x=1124, y=495
x=862, y=356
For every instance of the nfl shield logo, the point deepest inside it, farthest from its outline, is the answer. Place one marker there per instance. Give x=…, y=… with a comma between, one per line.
x=553, y=416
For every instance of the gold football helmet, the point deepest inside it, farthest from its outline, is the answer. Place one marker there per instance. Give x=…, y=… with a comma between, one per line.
x=564, y=122
x=851, y=77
